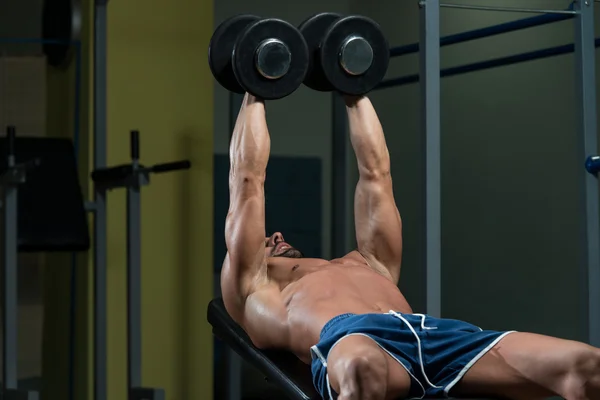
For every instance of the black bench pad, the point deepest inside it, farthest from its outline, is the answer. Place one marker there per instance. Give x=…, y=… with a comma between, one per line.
x=280, y=368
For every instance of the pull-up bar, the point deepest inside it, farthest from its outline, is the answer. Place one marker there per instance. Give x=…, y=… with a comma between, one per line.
x=506, y=9
x=462, y=37
x=479, y=66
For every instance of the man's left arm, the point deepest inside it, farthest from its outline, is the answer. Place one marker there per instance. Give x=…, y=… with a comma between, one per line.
x=377, y=221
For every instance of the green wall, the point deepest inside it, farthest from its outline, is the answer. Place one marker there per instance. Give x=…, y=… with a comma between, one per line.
x=160, y=84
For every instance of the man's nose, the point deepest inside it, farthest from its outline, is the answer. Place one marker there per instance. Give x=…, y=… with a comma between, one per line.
x=277, y=238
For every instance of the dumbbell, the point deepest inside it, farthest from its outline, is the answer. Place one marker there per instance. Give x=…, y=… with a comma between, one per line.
x=267, y=58
x=349, y=54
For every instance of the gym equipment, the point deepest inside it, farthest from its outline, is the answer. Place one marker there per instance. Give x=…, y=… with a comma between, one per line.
x=43, y=211
x=100, y=212
x=270, y=59
x=282, y=368
x=265, y=57
x=592, y=165
x=488, y=31
x=354, y=55
x=350, y=54
x=504, y=9
x=132, y=177
x=313, y=29
x=220, y=50
x=58, y=223
x=488, y=64
x=12, y=177
x=550, y=17
x=61, y=26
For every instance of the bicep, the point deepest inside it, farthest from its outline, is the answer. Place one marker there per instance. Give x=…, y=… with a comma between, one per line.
x=378, y=223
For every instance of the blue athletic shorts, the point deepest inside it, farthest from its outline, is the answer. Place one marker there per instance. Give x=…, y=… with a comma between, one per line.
x=435, y=352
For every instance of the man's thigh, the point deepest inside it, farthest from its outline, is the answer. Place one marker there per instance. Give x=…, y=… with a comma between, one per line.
x=521, y=366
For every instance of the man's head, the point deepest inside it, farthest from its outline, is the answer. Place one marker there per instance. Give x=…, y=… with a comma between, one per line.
x=275, y=246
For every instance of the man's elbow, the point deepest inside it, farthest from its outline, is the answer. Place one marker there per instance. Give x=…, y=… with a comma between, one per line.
x=375, y=167
x=375, y=173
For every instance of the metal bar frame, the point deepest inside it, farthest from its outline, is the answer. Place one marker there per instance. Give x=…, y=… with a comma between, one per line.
x=585, y=80
x=100, y=221
x=430, y=125
x=489, y=31
x=488, y=64
x=73, y=283
x=134, y=180
x=134, y=288
x=339, y=186
x=505, y=9
x=10, y=180
x=10, y=285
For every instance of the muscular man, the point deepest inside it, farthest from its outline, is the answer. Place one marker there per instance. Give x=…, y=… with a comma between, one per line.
x=348, y=319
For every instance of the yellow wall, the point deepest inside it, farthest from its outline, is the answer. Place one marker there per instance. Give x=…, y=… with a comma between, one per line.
x=160, y=84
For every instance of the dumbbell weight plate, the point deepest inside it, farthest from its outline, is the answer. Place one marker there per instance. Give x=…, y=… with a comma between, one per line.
x=220, y=50
x=366, y=75
x=61, y=28
x=245, y=59
x=313, y=29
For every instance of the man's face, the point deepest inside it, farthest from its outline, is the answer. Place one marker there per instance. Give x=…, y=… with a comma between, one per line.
x=275, y=246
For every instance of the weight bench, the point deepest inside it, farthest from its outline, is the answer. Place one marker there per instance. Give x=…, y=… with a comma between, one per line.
x=280, y=368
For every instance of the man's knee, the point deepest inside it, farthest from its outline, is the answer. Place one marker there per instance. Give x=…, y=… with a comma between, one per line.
x=365, y=377
x=359, y=373
x=582, y=378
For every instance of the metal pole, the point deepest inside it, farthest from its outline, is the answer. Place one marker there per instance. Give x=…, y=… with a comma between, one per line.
x=487, y=64
x=588, y=145
x=488, y=31
x=430, y=103
x=505, y=9
x=134, y=271
x=10, y=347
x=100, y=223
x=339, y=168
x=134, y=288
x=9, y=275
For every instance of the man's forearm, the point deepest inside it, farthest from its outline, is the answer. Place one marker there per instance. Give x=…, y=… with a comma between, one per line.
x=250, y=142
x=366, y=135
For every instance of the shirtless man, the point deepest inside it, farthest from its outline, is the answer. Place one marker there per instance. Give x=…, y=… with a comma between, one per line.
x=348, y=319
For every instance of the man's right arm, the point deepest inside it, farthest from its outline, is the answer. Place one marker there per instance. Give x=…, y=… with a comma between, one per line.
x=245, y=223
x=249, y=297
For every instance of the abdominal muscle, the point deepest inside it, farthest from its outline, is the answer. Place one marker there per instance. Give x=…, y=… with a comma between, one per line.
x=322, y=293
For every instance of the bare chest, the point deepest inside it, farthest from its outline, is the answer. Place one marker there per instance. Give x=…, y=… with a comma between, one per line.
x=318, y=296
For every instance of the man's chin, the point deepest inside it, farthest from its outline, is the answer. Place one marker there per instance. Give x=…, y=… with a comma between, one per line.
x=290, y=253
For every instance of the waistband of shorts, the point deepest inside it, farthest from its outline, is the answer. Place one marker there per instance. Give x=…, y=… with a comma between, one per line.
x=334, y=321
